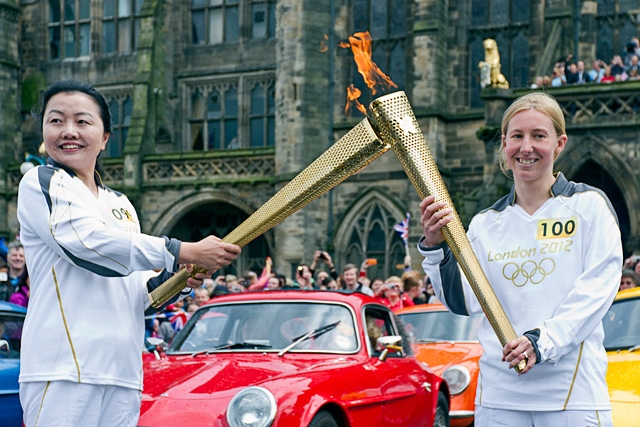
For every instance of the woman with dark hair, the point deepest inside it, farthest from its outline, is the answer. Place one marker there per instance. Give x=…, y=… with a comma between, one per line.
x=91, y=272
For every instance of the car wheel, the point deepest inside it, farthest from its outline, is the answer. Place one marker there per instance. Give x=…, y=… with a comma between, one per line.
x=442, y=412
x=323, y=419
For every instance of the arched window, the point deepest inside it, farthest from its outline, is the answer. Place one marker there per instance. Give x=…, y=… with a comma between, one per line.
x=69, y=28
x=120, y=25
x=220, y=219
x=372, y=236
x=215, y=21
x=214, y=117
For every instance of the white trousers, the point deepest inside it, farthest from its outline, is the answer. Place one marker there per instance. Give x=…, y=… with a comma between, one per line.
x=69, y=404
x=490, y=417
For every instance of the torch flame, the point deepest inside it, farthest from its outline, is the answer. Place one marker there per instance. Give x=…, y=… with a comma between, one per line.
x=360, y=44
x=374, y=78
x=353, y=93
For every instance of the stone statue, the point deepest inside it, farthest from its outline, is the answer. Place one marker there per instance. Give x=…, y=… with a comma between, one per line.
x=490, y=74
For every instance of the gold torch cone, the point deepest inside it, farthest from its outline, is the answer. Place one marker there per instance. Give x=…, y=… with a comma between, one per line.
x=355, y=150
x=398, y=127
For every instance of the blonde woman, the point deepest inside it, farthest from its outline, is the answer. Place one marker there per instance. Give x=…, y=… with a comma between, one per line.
x=551, y=250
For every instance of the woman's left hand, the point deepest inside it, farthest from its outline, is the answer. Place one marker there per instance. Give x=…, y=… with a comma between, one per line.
x=198, y=280
x=517, y=350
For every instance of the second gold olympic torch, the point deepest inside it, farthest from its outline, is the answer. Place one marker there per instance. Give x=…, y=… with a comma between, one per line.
x=348, y=155
x=398, y=126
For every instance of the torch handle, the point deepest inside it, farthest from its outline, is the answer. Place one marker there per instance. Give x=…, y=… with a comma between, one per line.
x=355, y=150
x=398, y=126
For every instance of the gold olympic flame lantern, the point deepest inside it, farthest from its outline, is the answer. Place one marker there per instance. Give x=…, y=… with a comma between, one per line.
x=398, y=127
x=352, y=152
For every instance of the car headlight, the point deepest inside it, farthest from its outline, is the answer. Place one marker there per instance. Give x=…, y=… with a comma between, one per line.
x=252, y=407
x=458, y=378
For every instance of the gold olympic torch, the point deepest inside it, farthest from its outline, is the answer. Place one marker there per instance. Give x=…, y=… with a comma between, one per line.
x=355, y=150
x=399, y=128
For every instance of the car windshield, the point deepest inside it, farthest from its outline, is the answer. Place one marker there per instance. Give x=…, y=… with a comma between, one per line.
x=10, y=335
x=268, y=326
x=433, y=326
x=621, y=326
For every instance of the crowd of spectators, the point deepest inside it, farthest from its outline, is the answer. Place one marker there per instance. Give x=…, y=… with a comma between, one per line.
x=396, y=291
x=570, y=72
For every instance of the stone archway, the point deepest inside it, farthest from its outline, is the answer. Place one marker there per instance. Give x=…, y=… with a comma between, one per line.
x=366, y=231
x=215, y=213
x=591, y=160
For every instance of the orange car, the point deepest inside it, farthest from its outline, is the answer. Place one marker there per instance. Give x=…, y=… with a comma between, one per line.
x=447, y=342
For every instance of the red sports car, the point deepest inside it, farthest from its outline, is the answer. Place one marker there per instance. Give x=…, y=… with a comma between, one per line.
x=447, y=343
x=292, y=358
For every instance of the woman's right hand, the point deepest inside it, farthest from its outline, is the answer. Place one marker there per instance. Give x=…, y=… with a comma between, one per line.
x=433, y=216
x=210, y=253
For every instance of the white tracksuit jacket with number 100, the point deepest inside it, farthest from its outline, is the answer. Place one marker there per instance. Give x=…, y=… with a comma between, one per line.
x=555, y=273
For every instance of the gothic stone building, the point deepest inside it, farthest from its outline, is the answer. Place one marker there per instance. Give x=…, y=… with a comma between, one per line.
x=218, y=104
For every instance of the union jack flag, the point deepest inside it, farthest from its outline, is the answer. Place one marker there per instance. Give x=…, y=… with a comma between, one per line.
x=403, y=229
x=178, y=320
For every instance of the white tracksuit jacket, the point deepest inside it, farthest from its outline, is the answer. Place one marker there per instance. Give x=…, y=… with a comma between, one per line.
x=91, y=270
x=555, y=273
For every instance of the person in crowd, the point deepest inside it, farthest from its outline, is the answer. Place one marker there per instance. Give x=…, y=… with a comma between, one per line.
x=392, y=294
x=276, y=282
x=577, y=74
x=17, y=264
x=233, y=284
x=376, y=285
x=330, y=284
x=201, y=296
x=5, y=287
x=324, y=257
x=629, y=279
x=597, y=72
x=537, y=83
x=633, y=67
x=21, y=294
x=349, y=279
x=429, y=291
x=91, y=273
x=558, y=76
x=304, y=277
x=607, y=76
x=617, y=69
x=191, y=308
x=556, y=312
x=414, y=287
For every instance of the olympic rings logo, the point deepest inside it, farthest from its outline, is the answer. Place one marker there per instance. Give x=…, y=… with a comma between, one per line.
x=529, y=271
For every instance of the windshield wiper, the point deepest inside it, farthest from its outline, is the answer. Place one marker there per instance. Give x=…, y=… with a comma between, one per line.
x=258, y=344
x=311, y=334
x=235, y=346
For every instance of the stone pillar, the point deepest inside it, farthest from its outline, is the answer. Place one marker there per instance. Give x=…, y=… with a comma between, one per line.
x=10, y=134
x=588, y=33
x=302, y=119
x=431, y=55
x=149, y=74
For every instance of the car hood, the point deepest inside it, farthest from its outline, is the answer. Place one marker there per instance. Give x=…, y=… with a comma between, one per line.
x=213, y=376
x=441, y=355
x=623, y=379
